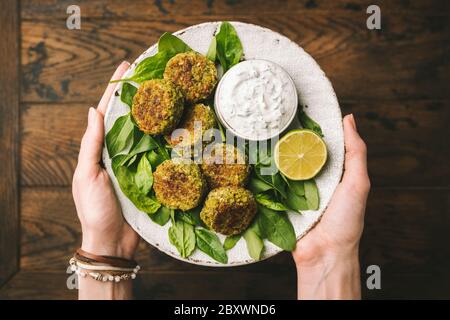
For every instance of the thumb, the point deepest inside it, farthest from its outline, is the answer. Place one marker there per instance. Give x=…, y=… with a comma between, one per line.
x=92, y=143
x=355, y=154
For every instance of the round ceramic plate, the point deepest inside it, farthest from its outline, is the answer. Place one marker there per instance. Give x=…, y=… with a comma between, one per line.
x=314, y=91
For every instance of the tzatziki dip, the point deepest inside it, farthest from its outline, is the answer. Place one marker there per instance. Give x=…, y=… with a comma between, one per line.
x=256, y=100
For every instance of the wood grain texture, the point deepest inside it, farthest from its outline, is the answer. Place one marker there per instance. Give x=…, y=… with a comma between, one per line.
x=400, y=136
x=9, y=138
x=405, y=234
x=225, y=284
x=43, y=9
x=408, y=58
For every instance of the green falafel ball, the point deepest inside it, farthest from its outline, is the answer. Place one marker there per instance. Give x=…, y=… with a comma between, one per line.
x=157, y=106
x=179, y=184
x=193, y=73
x=225, y=165
x=229, y=210
x=198, y=114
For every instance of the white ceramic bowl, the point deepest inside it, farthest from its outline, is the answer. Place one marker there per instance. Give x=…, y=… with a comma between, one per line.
x=221, y=94
x=314, y=90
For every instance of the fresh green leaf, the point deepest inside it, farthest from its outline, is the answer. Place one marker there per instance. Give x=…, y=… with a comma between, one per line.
x=212, y=50
x=191, y=216
x=127, y=94
x=297, y=187
x=255, y=226
x=172, y=44
x=150, y=68
x=277, y=228
x=155, y=159
x=274, y=180
x=209, y=243
x=161, y=216
x=295, y=202
x=144, y=143
x=129, y=161
x=309, y=123
x=125, y=177
x=182, y=236
x=257, y=185
x=231, y=241
x=120, y=138
x=255, y=245
x=144, y=177
x=269, y=202
x=229, y=47
x=312, y=194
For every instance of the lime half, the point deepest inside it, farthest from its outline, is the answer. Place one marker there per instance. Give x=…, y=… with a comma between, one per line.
x=300, y=154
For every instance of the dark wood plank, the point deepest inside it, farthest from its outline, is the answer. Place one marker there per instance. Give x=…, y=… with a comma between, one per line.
x=44, y=9
x=406, y=59
x=400, y=136
x=226, y=284
x=9, y=138
x=406, y=234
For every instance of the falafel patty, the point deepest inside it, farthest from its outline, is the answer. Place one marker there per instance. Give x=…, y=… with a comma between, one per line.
x=224, y=166
x=179, y=185
x=199, y=113
x=193, y=73
x=157, y=106
x=229, y=210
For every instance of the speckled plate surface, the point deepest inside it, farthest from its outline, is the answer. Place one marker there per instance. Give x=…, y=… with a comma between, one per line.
x=314, y=90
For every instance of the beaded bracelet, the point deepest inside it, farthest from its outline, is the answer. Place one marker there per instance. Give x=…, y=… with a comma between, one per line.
x=107, y=269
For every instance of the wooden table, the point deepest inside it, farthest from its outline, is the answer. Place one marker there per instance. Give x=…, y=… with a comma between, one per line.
x=395, y=81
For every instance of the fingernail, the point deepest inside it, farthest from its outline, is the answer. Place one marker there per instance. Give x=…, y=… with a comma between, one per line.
x=91, y=117
x=352, y=117
x=125, y=63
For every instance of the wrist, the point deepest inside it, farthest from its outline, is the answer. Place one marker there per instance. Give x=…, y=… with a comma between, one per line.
x=332, y=275
x=107, y=248
x=324, y=256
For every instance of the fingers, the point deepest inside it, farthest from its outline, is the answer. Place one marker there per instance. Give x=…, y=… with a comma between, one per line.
x=355, y=155
x=92, y=144
x=103, y=105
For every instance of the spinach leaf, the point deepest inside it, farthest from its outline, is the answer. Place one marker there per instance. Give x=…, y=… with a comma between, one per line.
x=312, y=194
x=229, y=46
x=212, y=50
x=130, y=161
x=182, y=236
x=269, y=202
x=297, y=187
x=155, y=158
x=255, y=245
x=172, y=44
x=277, y=228
x=144, y=177
x=120, y=138
x=231, y=241
x=275, y=181
x=150, y=68
x=125, y=177
x=127, y=94
x=296, y=202
x=209, y=243
x=191, y=216
x=143, y=144
x=257, y=185
x=161, y=216
x=309, y=123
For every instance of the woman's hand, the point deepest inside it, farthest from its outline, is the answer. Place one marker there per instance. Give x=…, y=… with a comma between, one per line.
x=327, y=257
x=105, y=232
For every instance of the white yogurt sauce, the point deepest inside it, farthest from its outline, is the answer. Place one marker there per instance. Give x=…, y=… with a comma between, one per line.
x=256, y=99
